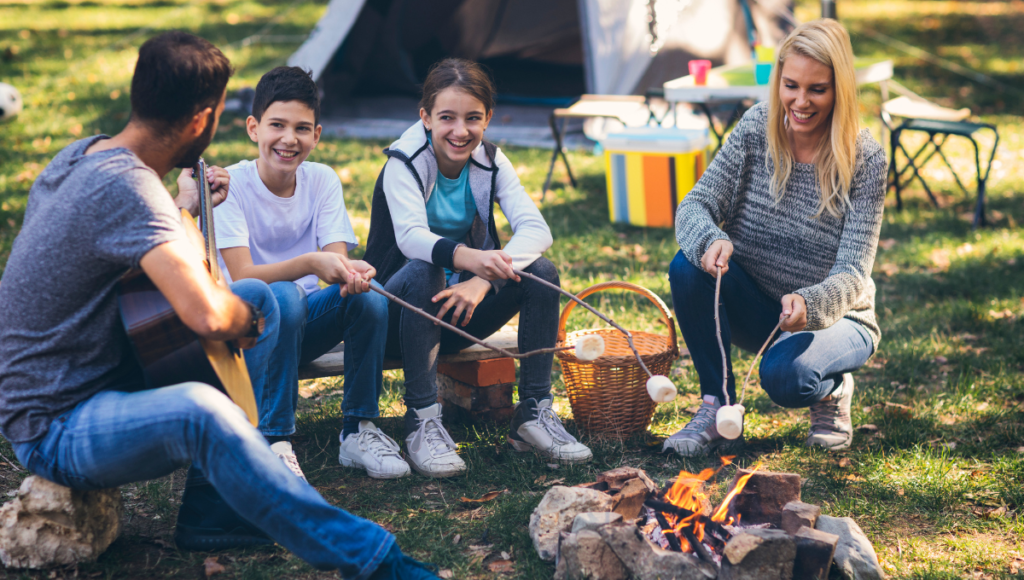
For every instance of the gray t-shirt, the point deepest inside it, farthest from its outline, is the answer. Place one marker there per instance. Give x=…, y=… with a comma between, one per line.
x=89, y=219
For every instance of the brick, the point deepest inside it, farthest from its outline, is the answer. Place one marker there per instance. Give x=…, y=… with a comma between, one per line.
x=474, y=398
x=630, y=500
x=757, y=554
x=481, y=373
x=764, y=497
x=797, y=514
x=457, y=414
x=814, y=552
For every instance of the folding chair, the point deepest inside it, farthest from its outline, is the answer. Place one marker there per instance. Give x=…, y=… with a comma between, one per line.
x=618, y=107
x=939, y=123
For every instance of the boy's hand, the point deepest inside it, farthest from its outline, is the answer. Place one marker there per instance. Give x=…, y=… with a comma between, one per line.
x=489, y=264
x=464, y=297
x=188, y=189
x=359, y=280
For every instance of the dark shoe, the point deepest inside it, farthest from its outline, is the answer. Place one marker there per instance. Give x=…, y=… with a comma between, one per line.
x=206, y=523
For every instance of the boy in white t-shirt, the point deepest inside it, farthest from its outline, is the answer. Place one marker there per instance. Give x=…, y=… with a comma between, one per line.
x=285, y=223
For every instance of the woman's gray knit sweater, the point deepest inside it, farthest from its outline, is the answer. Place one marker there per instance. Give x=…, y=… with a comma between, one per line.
x=826, y=260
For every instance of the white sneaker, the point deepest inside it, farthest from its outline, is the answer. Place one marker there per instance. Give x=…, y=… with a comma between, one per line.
x=536, y=427
x=283, y=449
x=429, y=448
x=372, y=450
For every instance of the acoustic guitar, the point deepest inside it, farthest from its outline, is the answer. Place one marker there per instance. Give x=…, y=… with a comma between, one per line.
x=170, y=352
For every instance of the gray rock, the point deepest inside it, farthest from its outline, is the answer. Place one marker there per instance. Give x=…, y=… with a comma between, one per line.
x=646, y=561
x=630, y=499
x=855, y=557
x=814, y=552
x=759, y=554
x=797, y=514
x=586, y=556
x=51, y=525
x=764, y=497
x=556, y=512
x=594, y=520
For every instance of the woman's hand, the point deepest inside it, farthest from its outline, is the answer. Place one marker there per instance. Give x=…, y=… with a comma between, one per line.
x=795, y=309
x=188, y=189
x=464, y=297
x=489, y=264
x=716, y=257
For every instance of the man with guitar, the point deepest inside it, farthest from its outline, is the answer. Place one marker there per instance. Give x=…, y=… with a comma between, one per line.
x=73, y=401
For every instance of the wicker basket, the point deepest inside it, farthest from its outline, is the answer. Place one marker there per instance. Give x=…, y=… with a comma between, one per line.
x=609, y=395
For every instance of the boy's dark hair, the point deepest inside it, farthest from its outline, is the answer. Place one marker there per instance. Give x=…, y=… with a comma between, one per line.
x=463, y=74
x=286, y=83
x=177, y=76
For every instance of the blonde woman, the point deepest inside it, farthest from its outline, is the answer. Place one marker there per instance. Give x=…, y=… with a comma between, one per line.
x=789, y=211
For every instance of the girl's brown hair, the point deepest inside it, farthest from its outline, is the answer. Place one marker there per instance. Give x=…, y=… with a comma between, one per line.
x=462, y=74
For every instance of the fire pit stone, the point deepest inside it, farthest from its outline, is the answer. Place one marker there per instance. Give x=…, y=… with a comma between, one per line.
x=797, y=514
x=764, y=497
x=646, y=561
x=630, y=499
x=855, y=557
x=556, y=512
x=594, y=520
x=814, y=552
x=759, y=554
x=617, y=478
x=585, y=555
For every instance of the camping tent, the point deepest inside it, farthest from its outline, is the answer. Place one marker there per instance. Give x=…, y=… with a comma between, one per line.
x=535, y=48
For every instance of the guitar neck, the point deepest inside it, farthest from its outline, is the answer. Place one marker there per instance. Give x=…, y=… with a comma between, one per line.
x=206, y=219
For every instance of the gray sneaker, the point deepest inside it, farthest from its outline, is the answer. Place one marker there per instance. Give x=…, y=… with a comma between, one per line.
x=831, y=424
x=700, y=436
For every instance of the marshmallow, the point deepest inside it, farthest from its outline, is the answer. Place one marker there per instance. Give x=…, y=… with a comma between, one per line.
x=589, y=347
x=729, y=421
x=661, y=389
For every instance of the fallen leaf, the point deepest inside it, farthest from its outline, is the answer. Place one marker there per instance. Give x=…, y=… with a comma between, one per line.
x=456, y=539
x=1004, y=313
x=887, y=244
x=940, y=360
x=489, y=496
x=558, y=481
x=982, y=406
x=540, y=479
x=692, y=410
x=898, y=410
x=845, y=462
x=505, y=556
x=501, y=566
x=211, y=566
x=867, y=428
x=995, y=512
x=445, y=574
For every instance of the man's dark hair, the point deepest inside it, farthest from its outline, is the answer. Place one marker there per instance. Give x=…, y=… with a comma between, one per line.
x=286, y=83
x=177, y=76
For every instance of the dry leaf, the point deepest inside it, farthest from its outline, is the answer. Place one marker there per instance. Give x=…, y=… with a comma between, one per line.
x=995, y=512
x=486, y=497
x=940, y=360
x=982, y=406
x=867, y=428
x=211, y=566
x=445, y=574
x=845, y=462
x=898, y=410
x=1004, y=313
x=501, y=566
x=540, y=479
x=887, y=244
x=558, y=481
x=456, y=539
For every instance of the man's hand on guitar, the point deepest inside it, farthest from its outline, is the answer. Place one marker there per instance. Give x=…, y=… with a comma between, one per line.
x=188, y=189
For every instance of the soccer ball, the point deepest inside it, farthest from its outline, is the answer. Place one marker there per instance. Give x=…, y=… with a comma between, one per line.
x=10, y=102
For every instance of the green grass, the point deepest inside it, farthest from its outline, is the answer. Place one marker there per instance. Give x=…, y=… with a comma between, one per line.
x=938, y=489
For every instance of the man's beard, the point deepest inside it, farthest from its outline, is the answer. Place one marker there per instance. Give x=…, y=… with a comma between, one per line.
x=190, y=156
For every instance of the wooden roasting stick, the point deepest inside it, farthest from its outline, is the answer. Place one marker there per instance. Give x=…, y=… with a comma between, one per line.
x=629, y=337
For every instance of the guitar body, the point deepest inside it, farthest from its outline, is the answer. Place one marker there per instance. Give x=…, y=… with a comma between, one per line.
x=169, y=351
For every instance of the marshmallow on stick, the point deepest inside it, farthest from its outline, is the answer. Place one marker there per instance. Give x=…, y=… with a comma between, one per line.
x=661, y=389
x=589, y=347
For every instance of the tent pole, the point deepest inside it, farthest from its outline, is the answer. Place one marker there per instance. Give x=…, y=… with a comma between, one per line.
x=828, y=9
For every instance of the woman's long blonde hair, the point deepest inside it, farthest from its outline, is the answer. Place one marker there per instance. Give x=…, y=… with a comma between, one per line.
x=827, y=42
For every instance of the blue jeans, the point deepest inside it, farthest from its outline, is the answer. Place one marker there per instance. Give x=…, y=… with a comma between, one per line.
x=119, y=436
x=798, y=370
x=418, y=341
x=311, y=326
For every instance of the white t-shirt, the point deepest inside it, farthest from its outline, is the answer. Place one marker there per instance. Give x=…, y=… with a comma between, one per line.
x=277, y=229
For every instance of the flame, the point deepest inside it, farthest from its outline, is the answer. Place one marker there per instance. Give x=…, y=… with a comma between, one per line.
x=684, y=494
x=719, y=514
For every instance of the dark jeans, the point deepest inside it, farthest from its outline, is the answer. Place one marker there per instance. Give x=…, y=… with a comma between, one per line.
x=798, y=370
x=418, y=341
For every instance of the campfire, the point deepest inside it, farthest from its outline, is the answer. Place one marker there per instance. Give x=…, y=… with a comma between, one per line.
x=681, y=519
x=623, y=526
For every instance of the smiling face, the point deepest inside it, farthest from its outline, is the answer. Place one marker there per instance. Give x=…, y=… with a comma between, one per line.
x=807, y=94
x=456, y=123
x=286, y=134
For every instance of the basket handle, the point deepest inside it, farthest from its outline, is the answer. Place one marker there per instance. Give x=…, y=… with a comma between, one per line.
x=665, y=312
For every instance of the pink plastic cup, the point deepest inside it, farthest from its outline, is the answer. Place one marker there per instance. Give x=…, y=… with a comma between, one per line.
x=699, y=70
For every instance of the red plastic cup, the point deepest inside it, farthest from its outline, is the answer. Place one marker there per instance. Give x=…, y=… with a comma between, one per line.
x=699, y=70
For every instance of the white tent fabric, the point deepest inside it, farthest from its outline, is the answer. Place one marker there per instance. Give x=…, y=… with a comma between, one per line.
x=616, y=45
x=327, y=36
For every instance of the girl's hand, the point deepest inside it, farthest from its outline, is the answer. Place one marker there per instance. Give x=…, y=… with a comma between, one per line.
x=464, y=296
x=489, y=265
x=794, y=306
x=717, y=256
